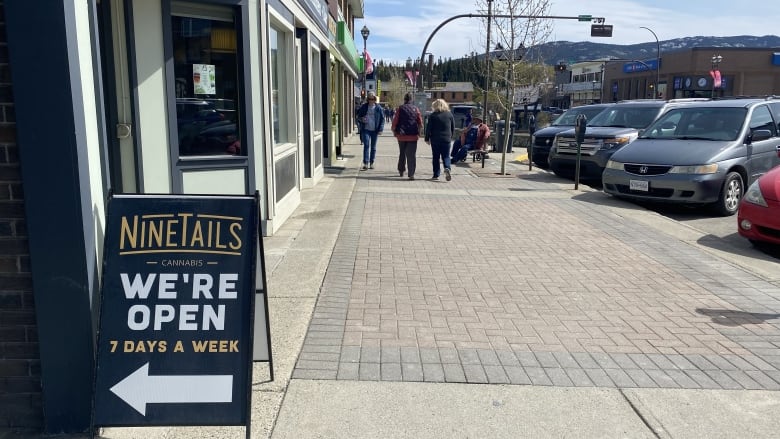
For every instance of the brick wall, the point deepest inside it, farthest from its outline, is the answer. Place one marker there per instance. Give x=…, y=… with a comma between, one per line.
x=20, y=382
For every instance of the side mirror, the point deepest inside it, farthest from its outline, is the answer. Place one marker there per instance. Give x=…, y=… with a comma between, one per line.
x=758, y=135
x=579, y=128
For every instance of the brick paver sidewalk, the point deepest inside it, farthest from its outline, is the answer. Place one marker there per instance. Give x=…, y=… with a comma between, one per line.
x=510, y=279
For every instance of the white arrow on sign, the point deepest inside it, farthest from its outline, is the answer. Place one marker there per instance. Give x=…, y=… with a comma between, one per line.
x=139, y=389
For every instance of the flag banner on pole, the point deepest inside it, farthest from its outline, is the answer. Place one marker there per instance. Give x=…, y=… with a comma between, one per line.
x=412, y=77
x=716, y=78
x=369, y=63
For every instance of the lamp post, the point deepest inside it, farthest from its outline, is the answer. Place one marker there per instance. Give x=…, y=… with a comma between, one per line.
x=716, y=59
x=364, y=32
x=487, y=63
x=601, y=84
x=657, y=60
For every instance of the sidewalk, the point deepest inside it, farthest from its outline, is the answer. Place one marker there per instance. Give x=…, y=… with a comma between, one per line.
x=502, y=306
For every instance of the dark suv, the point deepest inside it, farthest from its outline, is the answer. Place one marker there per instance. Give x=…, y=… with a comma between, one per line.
x=543, y=139
x=606, y=133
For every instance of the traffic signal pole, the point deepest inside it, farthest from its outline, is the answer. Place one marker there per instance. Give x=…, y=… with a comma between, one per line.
x=588, y=18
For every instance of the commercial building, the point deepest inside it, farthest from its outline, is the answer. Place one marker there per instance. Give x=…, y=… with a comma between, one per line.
x=144, y=96
x=685, y=73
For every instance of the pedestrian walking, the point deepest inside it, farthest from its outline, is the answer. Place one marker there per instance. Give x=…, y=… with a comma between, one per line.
x=371, y=123
x=407, y=127
x=438, y=133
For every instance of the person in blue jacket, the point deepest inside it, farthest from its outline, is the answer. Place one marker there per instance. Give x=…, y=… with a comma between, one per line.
x=371, y=122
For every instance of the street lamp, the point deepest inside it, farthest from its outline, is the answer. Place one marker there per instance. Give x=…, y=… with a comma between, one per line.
x=657, y=60
x=601, y=84
x=715, y=72
x=487, y=63
x=364, y=32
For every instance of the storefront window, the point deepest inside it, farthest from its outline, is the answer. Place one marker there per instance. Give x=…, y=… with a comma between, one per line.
x=206, y=75
x=316, y=78
x=279, y=98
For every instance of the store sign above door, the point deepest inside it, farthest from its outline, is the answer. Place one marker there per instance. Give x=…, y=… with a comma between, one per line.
x=175, y=331
x=644, y=66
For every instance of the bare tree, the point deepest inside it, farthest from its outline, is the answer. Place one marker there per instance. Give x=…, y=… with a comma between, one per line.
x=512, y=64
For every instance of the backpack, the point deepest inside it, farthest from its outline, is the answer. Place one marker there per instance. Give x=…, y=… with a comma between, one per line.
x=471, y=136
x=407, y=121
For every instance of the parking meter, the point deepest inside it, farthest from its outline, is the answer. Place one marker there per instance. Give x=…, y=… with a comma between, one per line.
x=579, y=133
x=579, y=127
x=531, y=130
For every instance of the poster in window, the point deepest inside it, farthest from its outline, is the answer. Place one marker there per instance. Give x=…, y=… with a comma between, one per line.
x=203, y=79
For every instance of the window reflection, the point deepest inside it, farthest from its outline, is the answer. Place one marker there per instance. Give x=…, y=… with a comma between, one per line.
x=279, y=56
x=206, y=72
x=316, y=69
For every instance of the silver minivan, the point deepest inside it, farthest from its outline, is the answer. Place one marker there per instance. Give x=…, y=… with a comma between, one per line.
x=702, y=153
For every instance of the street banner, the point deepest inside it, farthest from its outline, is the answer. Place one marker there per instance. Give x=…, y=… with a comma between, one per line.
x=177, y=303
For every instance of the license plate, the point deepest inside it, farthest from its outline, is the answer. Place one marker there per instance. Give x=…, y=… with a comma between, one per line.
x=639, y=185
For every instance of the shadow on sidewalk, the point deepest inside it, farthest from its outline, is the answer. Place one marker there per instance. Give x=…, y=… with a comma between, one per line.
x=730, y=317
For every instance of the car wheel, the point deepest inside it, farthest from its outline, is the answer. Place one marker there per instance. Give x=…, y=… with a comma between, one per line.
x=730, y=194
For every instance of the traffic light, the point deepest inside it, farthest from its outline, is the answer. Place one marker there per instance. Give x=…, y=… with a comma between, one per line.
x=560, y=67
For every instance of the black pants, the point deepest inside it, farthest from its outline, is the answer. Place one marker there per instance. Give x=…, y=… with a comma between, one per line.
x=407, y=156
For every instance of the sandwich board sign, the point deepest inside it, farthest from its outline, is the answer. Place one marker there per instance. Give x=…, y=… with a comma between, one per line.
x=177, y=303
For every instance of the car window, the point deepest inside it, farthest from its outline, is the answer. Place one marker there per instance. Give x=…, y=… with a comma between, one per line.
x=775, y=108
x=761, y=119
x=702, y=123
x=590, y=113
x=461, y=110
x=664, y=127
x=626, y=117
x=569, y=117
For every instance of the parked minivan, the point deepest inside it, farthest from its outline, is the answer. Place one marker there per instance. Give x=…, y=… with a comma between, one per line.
x=703, y=153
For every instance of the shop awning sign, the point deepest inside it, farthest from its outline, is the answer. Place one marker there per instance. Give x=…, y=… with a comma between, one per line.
x=177, y=306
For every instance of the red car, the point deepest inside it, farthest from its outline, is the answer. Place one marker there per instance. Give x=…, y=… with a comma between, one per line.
x=758, y=218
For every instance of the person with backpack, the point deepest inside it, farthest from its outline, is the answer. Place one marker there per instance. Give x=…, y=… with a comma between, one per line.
x=438, y=133
x=371, y=123
x=407, y=124
x=474, y=137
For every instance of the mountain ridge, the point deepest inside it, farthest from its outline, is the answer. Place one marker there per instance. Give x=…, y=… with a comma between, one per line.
x=571, y=52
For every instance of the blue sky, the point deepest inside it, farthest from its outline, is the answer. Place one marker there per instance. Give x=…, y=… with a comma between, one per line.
x=399, y=28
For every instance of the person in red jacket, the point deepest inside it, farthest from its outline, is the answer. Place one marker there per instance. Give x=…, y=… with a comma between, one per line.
x=473, y=137
x=407, y=128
